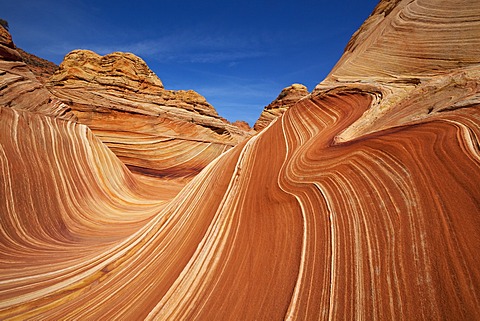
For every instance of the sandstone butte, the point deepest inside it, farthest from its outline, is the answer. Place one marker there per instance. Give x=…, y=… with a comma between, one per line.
x=360, y=202
x=286, y=99
x=154, y=131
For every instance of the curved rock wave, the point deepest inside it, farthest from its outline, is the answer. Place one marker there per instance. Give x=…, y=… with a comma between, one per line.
x=290, y=224
x=359, y=202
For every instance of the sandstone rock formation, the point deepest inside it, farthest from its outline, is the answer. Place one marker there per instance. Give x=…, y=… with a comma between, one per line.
x=287, y=98
x=360, y=202
x=41, y=68
x=417, y=57
x=242, y=125
x=153, y=130
x=19, y=88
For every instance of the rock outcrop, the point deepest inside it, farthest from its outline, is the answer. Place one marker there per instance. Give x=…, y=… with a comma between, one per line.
x=123, y=71
x=243, y=125
x=287, y=98
x=361, y=202
x=7, y=47
x=19, y=88
x=41, y=68
x=419, y=57
x=153, y=130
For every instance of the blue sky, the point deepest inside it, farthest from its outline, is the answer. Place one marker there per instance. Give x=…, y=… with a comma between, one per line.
x=238, y=54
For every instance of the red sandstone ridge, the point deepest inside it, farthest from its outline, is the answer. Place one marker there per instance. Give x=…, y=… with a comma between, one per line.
x=419, y=57
x=361, y=202
x=286, y=99
x=19, y=88
x=7, y=47
x=41, y=68
x=153, y=130
x=242, y=125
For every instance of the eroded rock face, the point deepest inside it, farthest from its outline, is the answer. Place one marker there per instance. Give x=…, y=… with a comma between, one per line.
x=242, y=125
x=41, y=68
x=153, y=130
x=418, y=57
x=19, y=88
x=123, y=70
x=287, y=98
x=7, y=48
x=361, y=203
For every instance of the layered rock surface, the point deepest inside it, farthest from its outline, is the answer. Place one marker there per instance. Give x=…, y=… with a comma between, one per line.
x=153, y=130
x=360, y=202
x=41, y=68
x=286, y=99
x=19, y=88
x=419, y=57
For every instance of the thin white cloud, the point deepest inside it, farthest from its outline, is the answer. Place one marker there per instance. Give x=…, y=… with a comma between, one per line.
x=183, y=46
x=196, y=47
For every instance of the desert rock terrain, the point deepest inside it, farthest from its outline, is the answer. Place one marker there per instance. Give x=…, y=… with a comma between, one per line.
x=154, y=131
x=360, y=201
x=286, y=99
